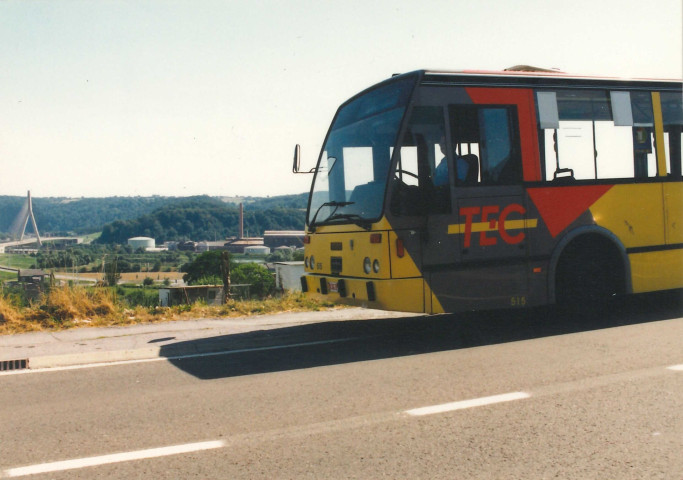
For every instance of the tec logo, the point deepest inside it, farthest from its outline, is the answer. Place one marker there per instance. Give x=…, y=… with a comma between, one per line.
x=488, y=219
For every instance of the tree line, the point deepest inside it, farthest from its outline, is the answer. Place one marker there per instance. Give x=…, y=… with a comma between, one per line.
x=78, y=215
x=59, y=215
x=90, y=257
x=201, y=219
x=206, y=269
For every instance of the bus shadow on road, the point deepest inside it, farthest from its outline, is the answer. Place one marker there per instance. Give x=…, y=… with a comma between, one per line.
x=342, y=342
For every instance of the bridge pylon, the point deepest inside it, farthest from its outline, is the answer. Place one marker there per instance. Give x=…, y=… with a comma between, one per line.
x=24, y=221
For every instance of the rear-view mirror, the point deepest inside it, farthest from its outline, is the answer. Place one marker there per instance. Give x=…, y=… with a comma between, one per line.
x=297, y=159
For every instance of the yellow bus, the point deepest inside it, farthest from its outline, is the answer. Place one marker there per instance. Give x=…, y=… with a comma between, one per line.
x=449, y=191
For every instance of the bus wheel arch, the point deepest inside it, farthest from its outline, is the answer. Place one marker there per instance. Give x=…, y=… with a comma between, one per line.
x=588, y=265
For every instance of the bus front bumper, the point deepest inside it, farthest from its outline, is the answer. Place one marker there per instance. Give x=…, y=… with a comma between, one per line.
x=404, y=294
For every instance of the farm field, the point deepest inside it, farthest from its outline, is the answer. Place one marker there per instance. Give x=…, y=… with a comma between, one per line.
x=16, y=261
x=132, y=277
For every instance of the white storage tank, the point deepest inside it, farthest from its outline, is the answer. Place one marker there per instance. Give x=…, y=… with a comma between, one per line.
x=257, y=250
x=141, y=242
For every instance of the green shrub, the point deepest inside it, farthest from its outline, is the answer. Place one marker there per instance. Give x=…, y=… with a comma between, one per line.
x=205, y=265
x=141, y=297
x=208, y=280
x=261, y=280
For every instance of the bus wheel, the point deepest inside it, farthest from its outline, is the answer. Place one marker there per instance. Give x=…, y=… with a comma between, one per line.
x=589, y=273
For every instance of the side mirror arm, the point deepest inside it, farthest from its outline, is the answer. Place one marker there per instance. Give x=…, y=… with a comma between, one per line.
x=296, y=165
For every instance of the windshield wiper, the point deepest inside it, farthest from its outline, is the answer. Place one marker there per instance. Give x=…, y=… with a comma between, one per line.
x=354, y=217
x=334, y=204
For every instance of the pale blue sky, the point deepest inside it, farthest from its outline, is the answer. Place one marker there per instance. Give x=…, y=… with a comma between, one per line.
x=172, y=97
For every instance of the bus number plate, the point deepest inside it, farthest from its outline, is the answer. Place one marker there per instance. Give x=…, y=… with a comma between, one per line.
x=332, y=287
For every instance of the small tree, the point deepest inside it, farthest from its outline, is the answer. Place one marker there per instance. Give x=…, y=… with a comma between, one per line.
x=261, y=280
x=207, y=280
x=225, y=275
x=207, y=264
x=280, y=256
x=148, y=281
x=111, y=272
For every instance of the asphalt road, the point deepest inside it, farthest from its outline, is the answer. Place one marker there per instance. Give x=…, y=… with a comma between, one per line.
x=524, y=394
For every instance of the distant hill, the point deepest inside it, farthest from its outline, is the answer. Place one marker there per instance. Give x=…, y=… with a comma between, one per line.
x=299, y=201
x=86, y=215
x=80, y=215
x=206, y=218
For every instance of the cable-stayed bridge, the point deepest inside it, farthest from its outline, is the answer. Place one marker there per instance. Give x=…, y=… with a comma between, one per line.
x=32, y=240
x=18, y=230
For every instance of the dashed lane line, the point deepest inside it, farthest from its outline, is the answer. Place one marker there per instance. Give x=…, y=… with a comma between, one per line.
x=320, y=427
x=463, y=404
x=297, y=431
x=113, y=458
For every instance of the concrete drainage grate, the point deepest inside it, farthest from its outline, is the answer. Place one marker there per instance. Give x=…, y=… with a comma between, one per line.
x=6, y=365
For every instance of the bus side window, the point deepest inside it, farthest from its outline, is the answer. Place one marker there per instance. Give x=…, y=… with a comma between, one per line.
x=501, y=162
x=672, y=113
x=486, y=145
x=421, y=180
x=644, y=156
x=598, y=134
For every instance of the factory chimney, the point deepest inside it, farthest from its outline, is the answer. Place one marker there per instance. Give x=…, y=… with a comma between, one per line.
x=241, y=221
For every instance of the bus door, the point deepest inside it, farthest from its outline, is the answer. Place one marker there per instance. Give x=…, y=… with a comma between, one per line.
x=458, y=205
x=421, y=201
x=489, y=215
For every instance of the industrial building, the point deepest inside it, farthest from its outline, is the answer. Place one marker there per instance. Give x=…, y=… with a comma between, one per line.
x=288, y=276
x=283, y=238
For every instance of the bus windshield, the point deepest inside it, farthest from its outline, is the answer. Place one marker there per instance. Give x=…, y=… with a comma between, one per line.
x=352, y=170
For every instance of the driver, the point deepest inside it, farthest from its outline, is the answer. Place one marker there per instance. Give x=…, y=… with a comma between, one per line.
x=441, y=171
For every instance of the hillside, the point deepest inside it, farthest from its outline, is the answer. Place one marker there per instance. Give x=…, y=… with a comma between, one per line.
x=79, y=215
x=203, y=218
x=84, y=215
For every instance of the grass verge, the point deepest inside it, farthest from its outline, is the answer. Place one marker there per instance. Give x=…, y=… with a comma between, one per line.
x=70, y=307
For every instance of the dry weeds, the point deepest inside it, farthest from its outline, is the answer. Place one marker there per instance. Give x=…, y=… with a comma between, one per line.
x=70, y=307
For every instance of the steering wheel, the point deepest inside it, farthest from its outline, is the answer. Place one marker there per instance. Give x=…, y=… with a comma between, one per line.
x=410, y=174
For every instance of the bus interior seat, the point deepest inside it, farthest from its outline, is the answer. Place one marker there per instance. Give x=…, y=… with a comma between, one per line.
x=472, y=169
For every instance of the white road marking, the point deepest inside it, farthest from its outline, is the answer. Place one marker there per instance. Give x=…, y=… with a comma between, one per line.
x=113, y=458
x=341, y=424
x=289, y=431
x=475, y=402
x=78, y=367
x=178, y=357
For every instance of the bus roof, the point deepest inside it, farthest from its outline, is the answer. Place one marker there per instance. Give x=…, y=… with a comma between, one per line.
x=527, y=75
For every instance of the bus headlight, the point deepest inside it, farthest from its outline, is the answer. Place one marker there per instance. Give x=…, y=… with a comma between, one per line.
x=311, y=262
x=306, y=262
x=375, y=266
x=367, y=265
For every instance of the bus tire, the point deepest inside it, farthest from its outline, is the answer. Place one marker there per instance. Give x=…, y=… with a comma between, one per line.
x=589, y=273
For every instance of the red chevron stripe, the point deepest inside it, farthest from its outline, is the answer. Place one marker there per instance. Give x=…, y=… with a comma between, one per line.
x=560, y=206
